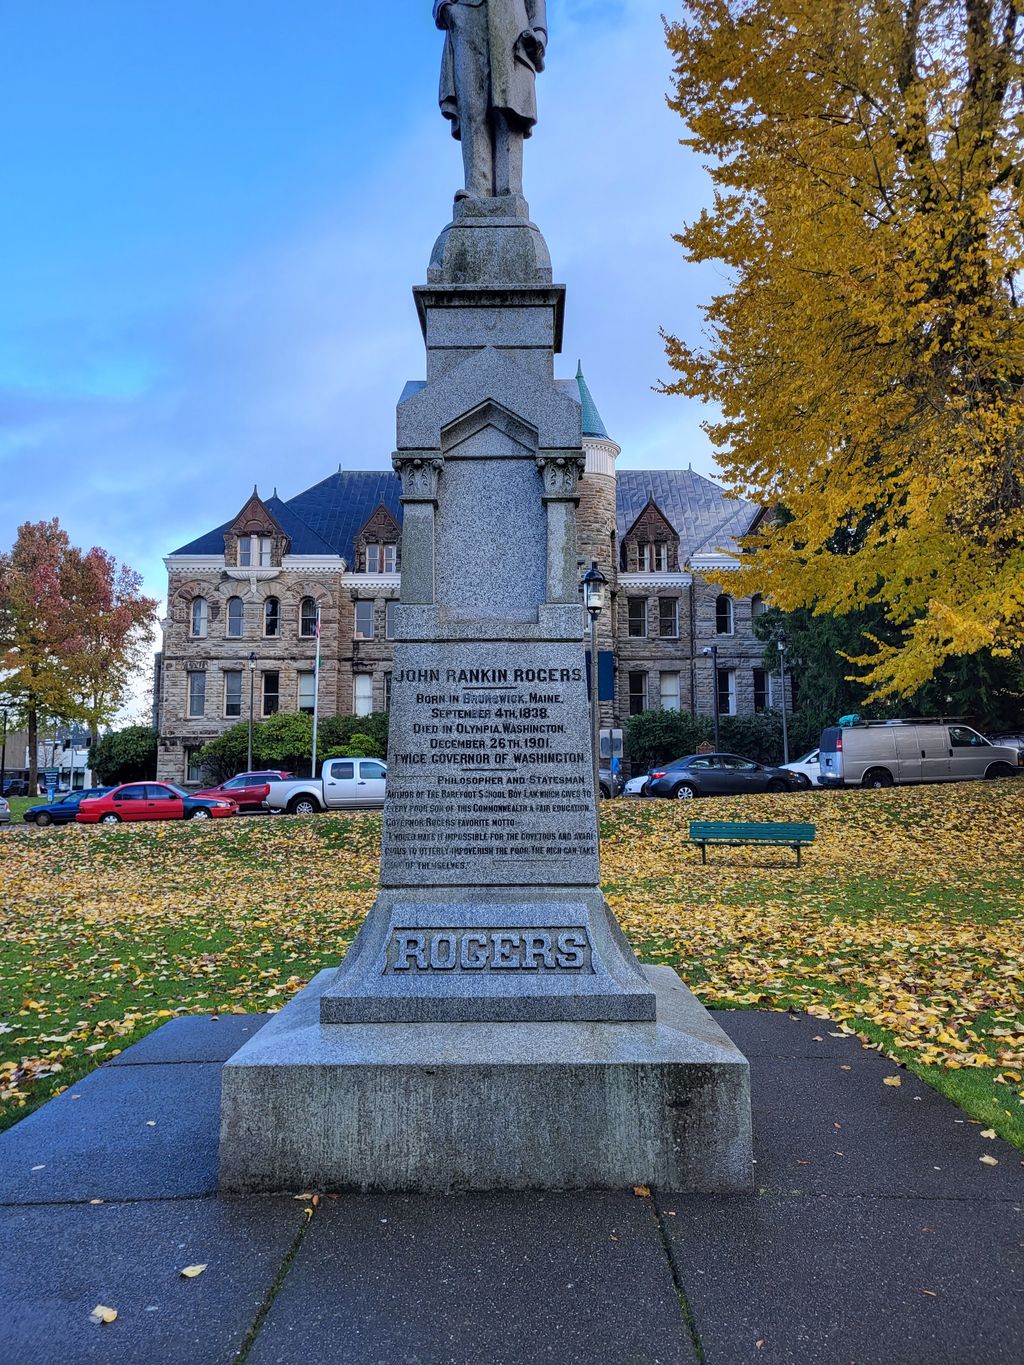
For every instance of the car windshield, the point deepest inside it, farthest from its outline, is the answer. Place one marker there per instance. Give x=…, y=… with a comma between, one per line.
x=172, y=788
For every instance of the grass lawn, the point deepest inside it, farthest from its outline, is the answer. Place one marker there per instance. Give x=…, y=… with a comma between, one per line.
x=20, y=804
x=905, y=924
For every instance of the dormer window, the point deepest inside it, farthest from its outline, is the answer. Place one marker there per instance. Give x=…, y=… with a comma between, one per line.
x=254, y=552
x=651, y=556
x=380, y=557
x=200, y=617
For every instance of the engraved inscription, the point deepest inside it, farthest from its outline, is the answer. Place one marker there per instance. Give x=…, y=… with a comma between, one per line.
x=489, y=950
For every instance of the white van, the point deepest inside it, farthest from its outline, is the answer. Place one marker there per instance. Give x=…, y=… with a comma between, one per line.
x=881, y=753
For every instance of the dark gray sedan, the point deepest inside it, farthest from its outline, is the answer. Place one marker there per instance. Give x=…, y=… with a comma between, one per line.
x=719, y=775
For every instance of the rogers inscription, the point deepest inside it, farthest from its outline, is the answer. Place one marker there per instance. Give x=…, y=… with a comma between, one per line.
x=487, y=950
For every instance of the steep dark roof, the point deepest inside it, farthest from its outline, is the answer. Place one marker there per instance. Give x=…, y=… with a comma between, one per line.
x=701, y=514
x=326, y=518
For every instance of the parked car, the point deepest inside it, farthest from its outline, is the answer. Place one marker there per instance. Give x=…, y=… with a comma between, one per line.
x=1015, y=740
x=609, y=782
x=881, y=753
x=719, y=775
x=62, y=812
x=15, y=786
x=5, y=811
x=150, y=801
x=808, y=767
x=342, y=782
x=247, y=790
x=637, y=786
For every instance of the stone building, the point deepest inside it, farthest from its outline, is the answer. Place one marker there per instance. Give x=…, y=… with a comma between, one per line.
x=239, y=636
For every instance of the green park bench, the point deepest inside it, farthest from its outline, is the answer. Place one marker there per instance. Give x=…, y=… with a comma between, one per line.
x=734, y=833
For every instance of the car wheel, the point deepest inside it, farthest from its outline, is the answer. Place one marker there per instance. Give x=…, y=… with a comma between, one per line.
x=303, y=805
x=43, y=819
x=777, y=785
x=1000, y=770
x=877, y=777
x=605, y=793
x=110, y=818
x=684, y=792
x=200, y=814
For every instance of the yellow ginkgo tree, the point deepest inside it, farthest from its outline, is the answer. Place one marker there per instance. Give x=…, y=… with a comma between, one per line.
x=867, y=353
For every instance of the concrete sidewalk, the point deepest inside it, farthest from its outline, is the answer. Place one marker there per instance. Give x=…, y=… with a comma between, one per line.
x=876, y=1235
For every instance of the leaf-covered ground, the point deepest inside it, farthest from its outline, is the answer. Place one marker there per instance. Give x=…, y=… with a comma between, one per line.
x=905, y=923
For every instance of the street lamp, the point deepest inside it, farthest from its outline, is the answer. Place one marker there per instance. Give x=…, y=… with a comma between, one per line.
x=3, y=750
x=592, y=588
x=780, y=644
x=252, y=685
x=711, y=652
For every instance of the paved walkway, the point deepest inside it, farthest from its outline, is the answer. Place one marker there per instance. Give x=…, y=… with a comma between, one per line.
x=876, y=1236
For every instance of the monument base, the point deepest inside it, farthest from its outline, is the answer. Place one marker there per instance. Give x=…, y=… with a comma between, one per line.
x=486, y=1106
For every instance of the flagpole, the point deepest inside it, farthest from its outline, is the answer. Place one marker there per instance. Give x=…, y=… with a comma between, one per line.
x=316, y=692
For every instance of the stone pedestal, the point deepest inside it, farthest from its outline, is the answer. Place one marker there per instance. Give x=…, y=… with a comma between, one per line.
x=487, y=1106
x=490, y=1026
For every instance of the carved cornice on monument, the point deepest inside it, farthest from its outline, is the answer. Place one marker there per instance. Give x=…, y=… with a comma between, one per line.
x=561, y=473
x=419, y=472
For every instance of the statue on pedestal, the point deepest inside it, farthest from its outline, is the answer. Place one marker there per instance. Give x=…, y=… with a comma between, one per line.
x=493, y=51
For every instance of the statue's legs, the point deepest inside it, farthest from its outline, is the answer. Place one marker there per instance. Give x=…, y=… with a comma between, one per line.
x=471, y=52
x=508, y=156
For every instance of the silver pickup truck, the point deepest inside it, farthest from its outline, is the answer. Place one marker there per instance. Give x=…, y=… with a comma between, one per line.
x=343, y=782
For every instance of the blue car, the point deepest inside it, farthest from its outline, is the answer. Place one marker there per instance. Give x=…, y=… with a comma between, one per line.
x=64, y=811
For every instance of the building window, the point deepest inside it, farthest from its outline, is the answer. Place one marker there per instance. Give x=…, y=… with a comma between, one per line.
x=637, y=693
x=726, y=691
x=271, y=617
x=668, y=617
x=236, y=618
x=271, y=693
x=362, y=694
x=757, y=606
x=381, y=558
x=200, y=617
x=669, y=683
x=254, y=552
x=307, y=692
x=233, y=693
x=196, y=693
x=193, y=772
x=761, y=690
x=307, y=618
x=724, y=614
x=643, y=560
x=637, y=609
x=364, y=626
x=389, y=620
x=387, y=691
x=659, y=556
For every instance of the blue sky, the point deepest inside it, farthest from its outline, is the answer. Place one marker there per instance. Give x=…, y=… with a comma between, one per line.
x=214, y=212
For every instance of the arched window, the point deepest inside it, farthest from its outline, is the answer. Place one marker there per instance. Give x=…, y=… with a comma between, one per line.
x=200, y=616
x=307, y=617
x=236, y=618
x=724, y=620
x=271, y=616
x=757, y=607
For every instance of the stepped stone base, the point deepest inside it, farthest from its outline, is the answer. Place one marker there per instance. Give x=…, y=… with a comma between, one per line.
x=487, y=1106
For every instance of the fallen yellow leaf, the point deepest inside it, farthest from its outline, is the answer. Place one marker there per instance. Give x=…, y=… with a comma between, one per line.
x=102, y=1314
x=988, y=1132
x=191, y=1271
x=642, y=1191
x=891, y=1080
x=987, y=1160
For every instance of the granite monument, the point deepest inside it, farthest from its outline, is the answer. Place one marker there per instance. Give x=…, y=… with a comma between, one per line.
x=490, y=1027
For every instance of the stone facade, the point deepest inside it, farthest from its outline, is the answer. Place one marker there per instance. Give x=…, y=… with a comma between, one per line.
x=662, y=542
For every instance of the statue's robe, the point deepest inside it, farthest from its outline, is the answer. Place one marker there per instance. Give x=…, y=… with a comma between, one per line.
x=512, y=75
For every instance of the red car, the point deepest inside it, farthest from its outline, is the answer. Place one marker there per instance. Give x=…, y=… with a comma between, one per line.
x=247, y=790
x=150, y=801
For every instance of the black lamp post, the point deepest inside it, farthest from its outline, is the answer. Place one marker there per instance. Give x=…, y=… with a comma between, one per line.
x=711, y=652
x=3, y=750
x=252, y=686
x=781, y=646
x=592, y=587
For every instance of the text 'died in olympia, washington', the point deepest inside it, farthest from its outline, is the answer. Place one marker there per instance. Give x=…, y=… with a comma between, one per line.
x=489, y=774
x=486, y=950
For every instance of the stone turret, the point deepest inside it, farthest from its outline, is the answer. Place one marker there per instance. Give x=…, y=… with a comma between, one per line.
x=595, y=519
